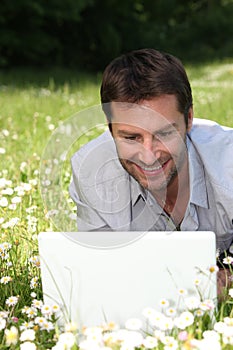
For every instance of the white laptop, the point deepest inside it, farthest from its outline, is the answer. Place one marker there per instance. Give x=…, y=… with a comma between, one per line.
x=98, y=277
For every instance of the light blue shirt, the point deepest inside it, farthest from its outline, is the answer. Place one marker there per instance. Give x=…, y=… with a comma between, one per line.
x=108, y=198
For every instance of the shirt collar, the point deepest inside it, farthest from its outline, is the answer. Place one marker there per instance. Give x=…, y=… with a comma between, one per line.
x=137, y=190
x=198, y=191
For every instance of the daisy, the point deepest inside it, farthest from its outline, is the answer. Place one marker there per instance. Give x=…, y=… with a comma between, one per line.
x=5, y=279
x=11, y=336
x=12, y=301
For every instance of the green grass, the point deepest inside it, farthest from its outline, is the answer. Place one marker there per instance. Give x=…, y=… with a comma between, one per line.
x=33, y=104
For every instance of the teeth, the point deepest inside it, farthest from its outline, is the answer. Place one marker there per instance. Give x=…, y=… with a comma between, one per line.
x=152, y=169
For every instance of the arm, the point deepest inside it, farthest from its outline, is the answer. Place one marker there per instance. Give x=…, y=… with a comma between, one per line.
x=88, y=219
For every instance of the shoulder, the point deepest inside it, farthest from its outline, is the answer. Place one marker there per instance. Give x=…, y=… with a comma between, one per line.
x=205, y=131
x=97, y=160
x=214, y=145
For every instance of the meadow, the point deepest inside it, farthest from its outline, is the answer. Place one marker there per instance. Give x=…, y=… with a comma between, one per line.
x=34, y=105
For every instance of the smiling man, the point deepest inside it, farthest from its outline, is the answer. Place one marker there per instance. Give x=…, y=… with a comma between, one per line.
x=156, y=168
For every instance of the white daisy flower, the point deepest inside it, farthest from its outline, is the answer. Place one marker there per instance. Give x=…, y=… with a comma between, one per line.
x=133, y=324
x=12, y=301
x=228, y=260
x=28, y=345
x=27, y=335
x=150, y=342
x=11, y=336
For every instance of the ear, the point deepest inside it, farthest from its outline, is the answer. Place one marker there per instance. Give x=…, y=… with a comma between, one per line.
x=190, y=119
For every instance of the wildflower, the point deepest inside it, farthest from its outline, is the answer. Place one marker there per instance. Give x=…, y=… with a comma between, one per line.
x=93, y=333
x=71, y=327
x=207, y=305
x=31, y=312
x=156, y=318
x=37, y=304
x=34, y=282
x=199, y=313
x=197, y=281
x=192, y=303
x=228, y=260
x=131, y=339
x=133, y=324
x=2, y=150
x=170, y=312
x=3, y=202
x=228, y=321
x=166, y=323
x=170, y=343
x=25, y=309
x=28, y=334
x=183, y=335
x=184, y=320
x=188, y=317
x=12, y=206
x=8, y=191
x=40, y=320
x=12, y=301
x=148, y=312
x=16, y=200
x=46, y=310
x=2, y=323
x=5, y=132
x=11, y=336
x=26, y=325
x=150, y=342
x=87, y=344
x=22, y=166
x=28, y=345
x=164, y=302
x=11, y=223
x=66, y=339
x=6, y=245
x=35, y=260
x=211, y=334
x=182, y=291
x=51, y=127
x=4, y=314
x=48, y=326
x=55, y=308
x=5, y=279
x=213, y=268
x=33, y=294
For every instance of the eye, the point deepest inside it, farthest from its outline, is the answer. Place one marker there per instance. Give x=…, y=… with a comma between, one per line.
x=165, y=134
x=131, y=138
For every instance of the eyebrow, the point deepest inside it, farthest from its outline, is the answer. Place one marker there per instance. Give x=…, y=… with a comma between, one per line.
x=122, y=132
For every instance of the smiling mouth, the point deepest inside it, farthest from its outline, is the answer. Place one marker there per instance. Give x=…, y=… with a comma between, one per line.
x=152, y=170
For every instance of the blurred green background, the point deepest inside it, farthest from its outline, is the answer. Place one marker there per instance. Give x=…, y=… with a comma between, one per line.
x=87, y=34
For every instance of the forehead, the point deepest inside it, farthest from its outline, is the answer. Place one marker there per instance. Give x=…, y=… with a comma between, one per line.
x=149, y=115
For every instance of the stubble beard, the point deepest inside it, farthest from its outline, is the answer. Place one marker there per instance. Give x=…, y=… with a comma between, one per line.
x=166, y=181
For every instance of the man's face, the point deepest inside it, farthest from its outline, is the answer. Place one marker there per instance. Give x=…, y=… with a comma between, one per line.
x=150, y=139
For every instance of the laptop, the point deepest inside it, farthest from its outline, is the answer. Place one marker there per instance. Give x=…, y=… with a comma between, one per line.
x=99, y=277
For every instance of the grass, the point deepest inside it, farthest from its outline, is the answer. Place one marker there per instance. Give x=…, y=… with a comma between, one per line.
x=33, y=104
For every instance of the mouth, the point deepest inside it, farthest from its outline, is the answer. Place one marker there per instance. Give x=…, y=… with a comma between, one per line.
x=152, y=170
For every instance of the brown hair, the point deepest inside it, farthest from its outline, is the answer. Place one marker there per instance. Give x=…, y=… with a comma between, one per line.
x=142, y=75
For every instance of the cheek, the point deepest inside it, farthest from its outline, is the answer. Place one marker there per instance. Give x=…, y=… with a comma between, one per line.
x=126, y=150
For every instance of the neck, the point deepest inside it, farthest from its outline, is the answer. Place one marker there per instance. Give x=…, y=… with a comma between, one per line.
x=174, y=199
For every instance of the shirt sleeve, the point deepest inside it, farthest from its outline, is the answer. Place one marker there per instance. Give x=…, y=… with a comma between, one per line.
x=88, y=219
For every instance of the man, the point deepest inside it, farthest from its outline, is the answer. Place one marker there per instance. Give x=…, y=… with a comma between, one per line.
x=156, y=168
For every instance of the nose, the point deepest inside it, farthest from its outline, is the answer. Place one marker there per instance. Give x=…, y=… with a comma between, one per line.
x=150, y=152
